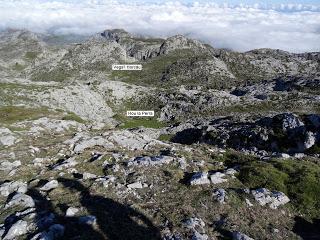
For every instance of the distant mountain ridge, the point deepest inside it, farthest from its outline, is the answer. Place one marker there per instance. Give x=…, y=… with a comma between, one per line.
x=172, y=61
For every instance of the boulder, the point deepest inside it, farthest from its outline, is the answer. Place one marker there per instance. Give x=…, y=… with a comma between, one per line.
x=282, y=155
x=231, y=171
x=248, y=202
x=310, y=140
x=193, y=223
x=289, y=121
x=218, y=177
x=199, y=178
x=165, y=114
x=220, y=195
x=71, y=211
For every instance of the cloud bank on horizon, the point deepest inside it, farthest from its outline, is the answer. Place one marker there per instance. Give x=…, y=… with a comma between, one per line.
x=292, y=27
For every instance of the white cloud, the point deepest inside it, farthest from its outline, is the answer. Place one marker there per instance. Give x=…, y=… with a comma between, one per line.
x=294, y=28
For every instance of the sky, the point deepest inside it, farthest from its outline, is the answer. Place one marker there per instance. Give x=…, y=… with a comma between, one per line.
x=241, y=25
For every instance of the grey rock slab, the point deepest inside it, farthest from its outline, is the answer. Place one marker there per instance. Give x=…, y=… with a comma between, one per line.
x=9, y=166
x=68, y=163
x=50, y=185
x=80, y=99
x=6, y=137
x=150, y=161
x=91, y=142
x=240, y=236
x=47, y=124
x=17, y=229
x=135, y=185
x=87, y=176
x=20, y=199
x=2, y=230
x=273, y=198
x=15, y=186
x=132, y=140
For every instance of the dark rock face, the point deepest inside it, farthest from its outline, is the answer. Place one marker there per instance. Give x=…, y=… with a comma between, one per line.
x=282, y=133
x=115, y=34
x=296, y=83
x=306, y=229
x=188, y=136
x=239, y=92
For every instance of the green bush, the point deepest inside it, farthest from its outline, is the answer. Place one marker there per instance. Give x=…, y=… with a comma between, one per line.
x=261, y=174
x=299, y=179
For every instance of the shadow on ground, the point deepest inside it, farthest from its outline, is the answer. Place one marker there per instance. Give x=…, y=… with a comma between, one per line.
x=115, y=221
x=307, y=230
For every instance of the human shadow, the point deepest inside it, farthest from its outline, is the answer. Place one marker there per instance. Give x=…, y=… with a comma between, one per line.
x=307, y=230
x=115, y=221
x=46, y=216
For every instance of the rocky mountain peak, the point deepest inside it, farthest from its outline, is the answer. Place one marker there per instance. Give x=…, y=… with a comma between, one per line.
x=18, y=35
x=180, y=42
x=115, y=34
